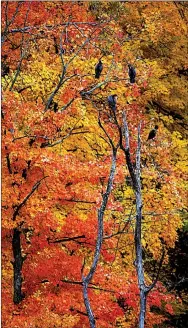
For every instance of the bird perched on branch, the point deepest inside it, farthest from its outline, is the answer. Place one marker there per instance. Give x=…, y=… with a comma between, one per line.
x=98, y=69
x=153, y=133
x=132, y=73
x=112, y=102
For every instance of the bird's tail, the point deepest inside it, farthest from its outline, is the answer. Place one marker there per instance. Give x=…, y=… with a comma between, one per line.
x=97, y=75
x=132, y=80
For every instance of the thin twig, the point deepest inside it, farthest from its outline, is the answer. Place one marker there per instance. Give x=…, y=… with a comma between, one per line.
x=18, y=208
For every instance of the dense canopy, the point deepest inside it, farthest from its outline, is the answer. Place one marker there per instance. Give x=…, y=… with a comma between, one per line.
x=68, y=188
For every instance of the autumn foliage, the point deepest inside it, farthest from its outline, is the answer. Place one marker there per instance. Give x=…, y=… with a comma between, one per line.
x=56, y=158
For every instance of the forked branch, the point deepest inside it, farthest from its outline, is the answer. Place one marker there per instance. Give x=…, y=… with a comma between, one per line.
x=101, y=211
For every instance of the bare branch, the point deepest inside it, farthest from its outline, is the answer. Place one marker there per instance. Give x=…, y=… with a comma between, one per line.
x=158, y=273
x=121, y=231
x=78, y=201
x=60, y=83
x=67, y=105
x=138, y=165
x=8, y=23
x=16, y=30
x=126, y=150
x=64, y=70
x=18, y=208
x=22, y=52
x=47, y=144
x=126, y=132
x=8, y=163
x=181, y=281
x=80, y=48
x=65, y=239
x=109, y=139
x=97, y=86
x=87, y=279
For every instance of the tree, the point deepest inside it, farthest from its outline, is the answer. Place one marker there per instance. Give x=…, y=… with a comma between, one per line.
x=56, y=132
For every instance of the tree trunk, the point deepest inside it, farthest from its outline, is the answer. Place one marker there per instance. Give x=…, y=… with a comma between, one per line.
x=16, y=248
x=87, y=279
x=142, y=309
x=87, y=305
x=17, y=266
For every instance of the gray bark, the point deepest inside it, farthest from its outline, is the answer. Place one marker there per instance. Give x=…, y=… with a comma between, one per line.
x=87, y=279
x=135, y=177
x=138, y=241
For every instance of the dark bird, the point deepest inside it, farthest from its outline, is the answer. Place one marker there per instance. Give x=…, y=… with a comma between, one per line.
x=112, y=102
x=98, y=69
x=132, y=73
x=153, y=133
